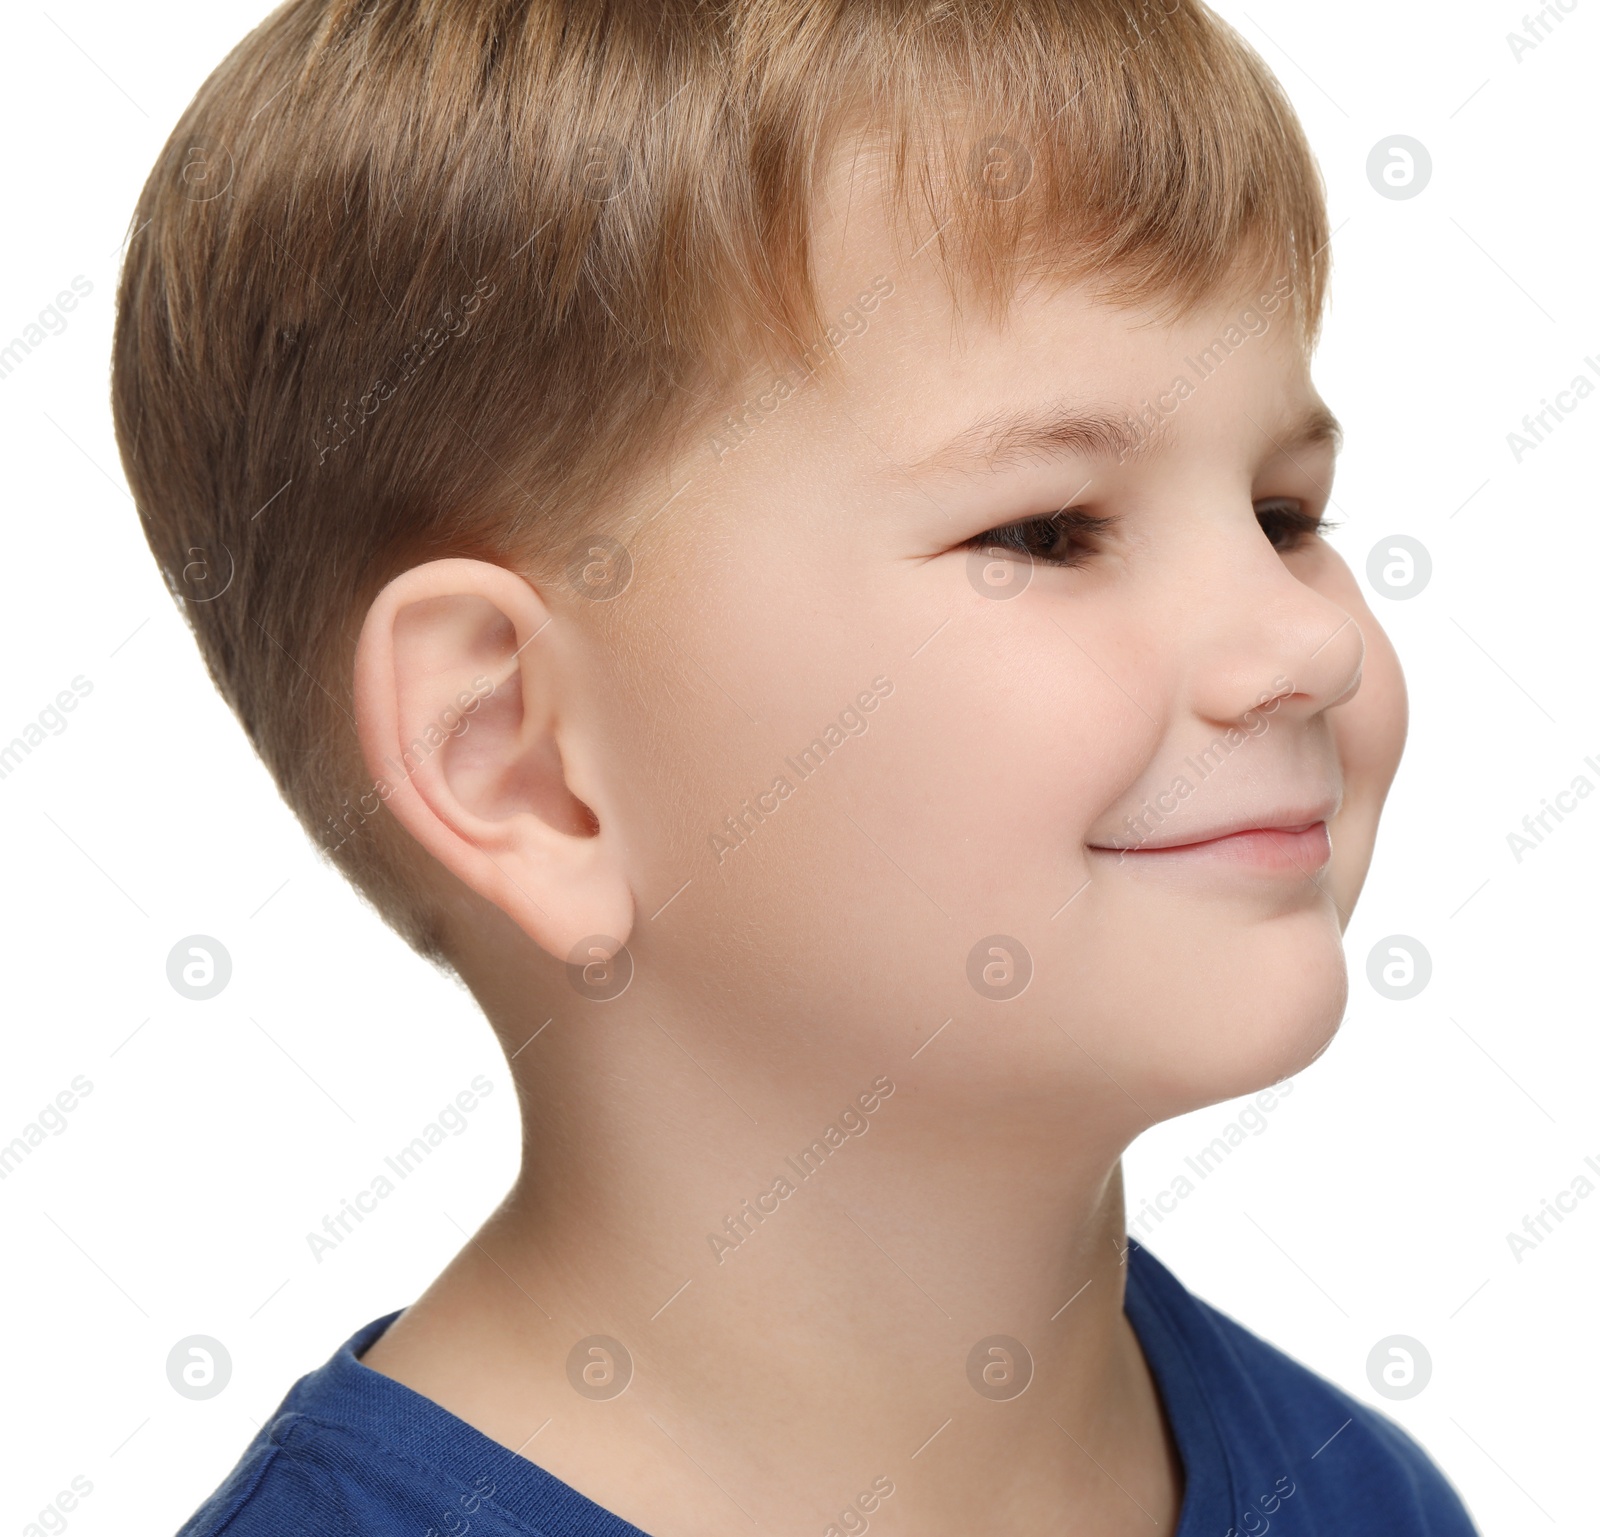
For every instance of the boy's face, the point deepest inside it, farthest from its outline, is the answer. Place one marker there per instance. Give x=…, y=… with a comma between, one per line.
x=1017, y=744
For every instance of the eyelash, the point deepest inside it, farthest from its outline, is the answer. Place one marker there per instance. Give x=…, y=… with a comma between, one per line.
x=1282, y=516
x=1072, y=522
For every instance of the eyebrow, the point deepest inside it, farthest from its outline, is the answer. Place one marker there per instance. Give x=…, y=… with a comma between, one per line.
x=1005, y=438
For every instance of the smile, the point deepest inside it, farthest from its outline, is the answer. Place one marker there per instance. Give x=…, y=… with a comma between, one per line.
x=1304, y=847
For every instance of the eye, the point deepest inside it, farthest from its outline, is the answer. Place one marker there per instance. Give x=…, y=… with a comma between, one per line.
x=1287, y=524
x=1063, y=538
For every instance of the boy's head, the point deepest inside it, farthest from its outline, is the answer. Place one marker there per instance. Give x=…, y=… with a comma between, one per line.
x=603, y=414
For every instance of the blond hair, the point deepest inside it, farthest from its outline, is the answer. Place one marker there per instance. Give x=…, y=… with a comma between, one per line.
x=415, y=278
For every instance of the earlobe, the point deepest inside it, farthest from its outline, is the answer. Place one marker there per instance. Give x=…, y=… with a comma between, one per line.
x=460, y=709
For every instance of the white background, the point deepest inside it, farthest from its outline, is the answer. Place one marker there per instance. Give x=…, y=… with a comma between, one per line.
x=1378, y=1198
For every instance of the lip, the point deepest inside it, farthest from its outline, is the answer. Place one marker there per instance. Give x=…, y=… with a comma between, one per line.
x=1299, y=843
x=1285, y=820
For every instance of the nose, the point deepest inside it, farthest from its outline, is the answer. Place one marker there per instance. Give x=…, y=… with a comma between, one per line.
x=1260, y=633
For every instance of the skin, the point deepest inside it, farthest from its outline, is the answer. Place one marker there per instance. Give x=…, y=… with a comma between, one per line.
x=775, y=981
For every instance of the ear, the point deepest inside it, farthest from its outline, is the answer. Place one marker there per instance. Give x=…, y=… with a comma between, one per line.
x=461, y=695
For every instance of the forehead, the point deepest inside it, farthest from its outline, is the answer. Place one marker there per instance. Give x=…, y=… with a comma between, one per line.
x=944, y=373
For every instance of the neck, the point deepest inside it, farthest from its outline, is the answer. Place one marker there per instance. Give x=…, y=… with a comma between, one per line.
x=818, y=1288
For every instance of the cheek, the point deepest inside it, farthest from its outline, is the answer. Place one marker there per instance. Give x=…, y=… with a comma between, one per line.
x=1018, y=742
x=1369, y=728
x=1369, y=733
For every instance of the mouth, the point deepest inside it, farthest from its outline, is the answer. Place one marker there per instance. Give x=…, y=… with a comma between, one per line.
x=1298, y=847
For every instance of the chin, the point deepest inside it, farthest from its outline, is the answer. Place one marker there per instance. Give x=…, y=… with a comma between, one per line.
x=1228, y=1010
x=1288, y=1027
x=1284, y=1014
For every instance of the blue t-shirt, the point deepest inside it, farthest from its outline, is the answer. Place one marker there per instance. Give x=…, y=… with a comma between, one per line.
x=1266, y=1445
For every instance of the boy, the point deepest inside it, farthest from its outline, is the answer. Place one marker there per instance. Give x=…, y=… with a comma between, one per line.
x=779, y=540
